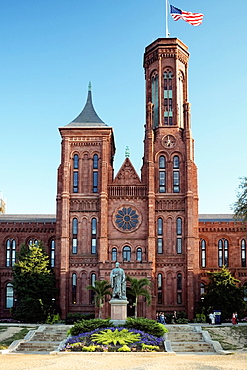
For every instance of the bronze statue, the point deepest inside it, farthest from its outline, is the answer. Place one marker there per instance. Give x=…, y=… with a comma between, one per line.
x=118, y=282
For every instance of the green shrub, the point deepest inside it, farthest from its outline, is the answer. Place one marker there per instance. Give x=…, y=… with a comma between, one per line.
x=88, y=325
x=72, y=318
x=146, y=325
x=182, y=321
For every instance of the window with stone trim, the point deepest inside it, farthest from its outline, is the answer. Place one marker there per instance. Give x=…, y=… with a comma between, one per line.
x=176, y=174
x=160, y=288
x=179, y=288
x=203, y=253
x=95, y=173
x=243, y=253
x=139, y=254
x=160, y=235
x=94, y=236
x=75, y=173
x=179, y=234
x=92, y=293
x=155, y=98
x=223, y=252
x=114, y=254
x=74, y=288
x=168, y=102
x=126, y=253
x=52, y=252
x=10, y=252
x=9, y=296
x=74, y=236
x=162, y=174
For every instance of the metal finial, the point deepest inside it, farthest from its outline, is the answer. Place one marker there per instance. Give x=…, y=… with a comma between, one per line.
x=89, y=86
x=127, y=152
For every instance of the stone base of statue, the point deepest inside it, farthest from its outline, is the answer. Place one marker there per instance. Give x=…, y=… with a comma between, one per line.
x=118, y=311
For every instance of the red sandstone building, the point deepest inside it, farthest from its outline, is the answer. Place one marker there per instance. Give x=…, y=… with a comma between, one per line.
x=150, y=224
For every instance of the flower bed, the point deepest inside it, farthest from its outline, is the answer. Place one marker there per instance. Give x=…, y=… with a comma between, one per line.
x=114, y=339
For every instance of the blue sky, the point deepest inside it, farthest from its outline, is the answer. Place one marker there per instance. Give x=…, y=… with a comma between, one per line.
x=50, y=50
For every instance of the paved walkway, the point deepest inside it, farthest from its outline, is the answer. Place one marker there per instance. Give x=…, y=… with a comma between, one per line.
x=126, y=361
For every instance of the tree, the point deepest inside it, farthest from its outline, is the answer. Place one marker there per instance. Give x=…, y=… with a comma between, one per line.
x=240, y=206
x=137, y=289
x=34, y=284
x=223, y=294
x=101, y=289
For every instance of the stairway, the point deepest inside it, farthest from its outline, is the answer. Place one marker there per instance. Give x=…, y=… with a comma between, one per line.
x=188, y=338
x=45, y=339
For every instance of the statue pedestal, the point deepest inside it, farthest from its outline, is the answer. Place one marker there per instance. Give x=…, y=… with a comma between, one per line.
x=118, y=311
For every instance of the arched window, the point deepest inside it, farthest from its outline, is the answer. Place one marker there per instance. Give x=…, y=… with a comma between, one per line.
x=160, y=288
x=95, y=173
x=74, y=235
x=155, y=99
x=203, y=253
x=223, y=252
x=9, y=296
x=139, y=254
x=179, y=231
x=10, y=252
x=92, y=293
x=180, y=99
x=176, y=174
x=75, y=173
x=179, y=288
x=74, y=288
x=168, y=111
x=52, y=252
x=162, y=174
x=202, y=289
x=94, y=236
x=243, y=253
x=33, y=241
x=126, y=253
x=160, y=236
x=114, y=254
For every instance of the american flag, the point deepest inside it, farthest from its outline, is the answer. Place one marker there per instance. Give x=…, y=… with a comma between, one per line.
x=195, y=19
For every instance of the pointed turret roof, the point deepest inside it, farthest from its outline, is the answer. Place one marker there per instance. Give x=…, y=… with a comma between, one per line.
x=88, y=117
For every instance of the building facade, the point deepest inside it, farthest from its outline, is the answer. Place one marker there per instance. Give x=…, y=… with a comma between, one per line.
x=150, y=224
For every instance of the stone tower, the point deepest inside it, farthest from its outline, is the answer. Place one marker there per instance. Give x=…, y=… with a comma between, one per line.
x=86, y=167
x=171, y=176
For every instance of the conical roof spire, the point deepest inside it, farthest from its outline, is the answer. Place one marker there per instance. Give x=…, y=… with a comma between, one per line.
x=88, y=117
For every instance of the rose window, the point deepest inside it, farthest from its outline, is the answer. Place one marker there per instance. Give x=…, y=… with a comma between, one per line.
x=127, y=218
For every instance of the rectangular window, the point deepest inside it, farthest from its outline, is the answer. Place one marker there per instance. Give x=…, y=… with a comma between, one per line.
x=179, y=245
x=94, y=245
x=74, y=245
x=95, y=182
x=162, y=182
x=75, y=182
x=160, y=245
x=176, y=181
x=179, y=298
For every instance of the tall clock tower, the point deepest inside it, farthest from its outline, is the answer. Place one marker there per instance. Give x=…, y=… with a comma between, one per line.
x=171, y=176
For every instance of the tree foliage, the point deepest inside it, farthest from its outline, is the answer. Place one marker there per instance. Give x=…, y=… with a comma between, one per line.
x=101, y=288
x=138, y=288
x=240, y=206
x=34, y=284
x=223, y=294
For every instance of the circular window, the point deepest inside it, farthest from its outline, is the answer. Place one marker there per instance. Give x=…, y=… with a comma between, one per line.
x=127, y=219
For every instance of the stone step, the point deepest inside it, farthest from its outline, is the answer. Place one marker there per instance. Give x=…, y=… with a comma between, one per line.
x=191, y=347
x=30, y=346
x=186, y=337
x=180, y=328
x=46, y=336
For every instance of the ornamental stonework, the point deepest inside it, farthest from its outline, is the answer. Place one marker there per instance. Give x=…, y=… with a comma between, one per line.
x=127, y=218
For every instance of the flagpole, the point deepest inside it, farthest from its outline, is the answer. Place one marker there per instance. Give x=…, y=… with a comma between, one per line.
x=167, y=32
